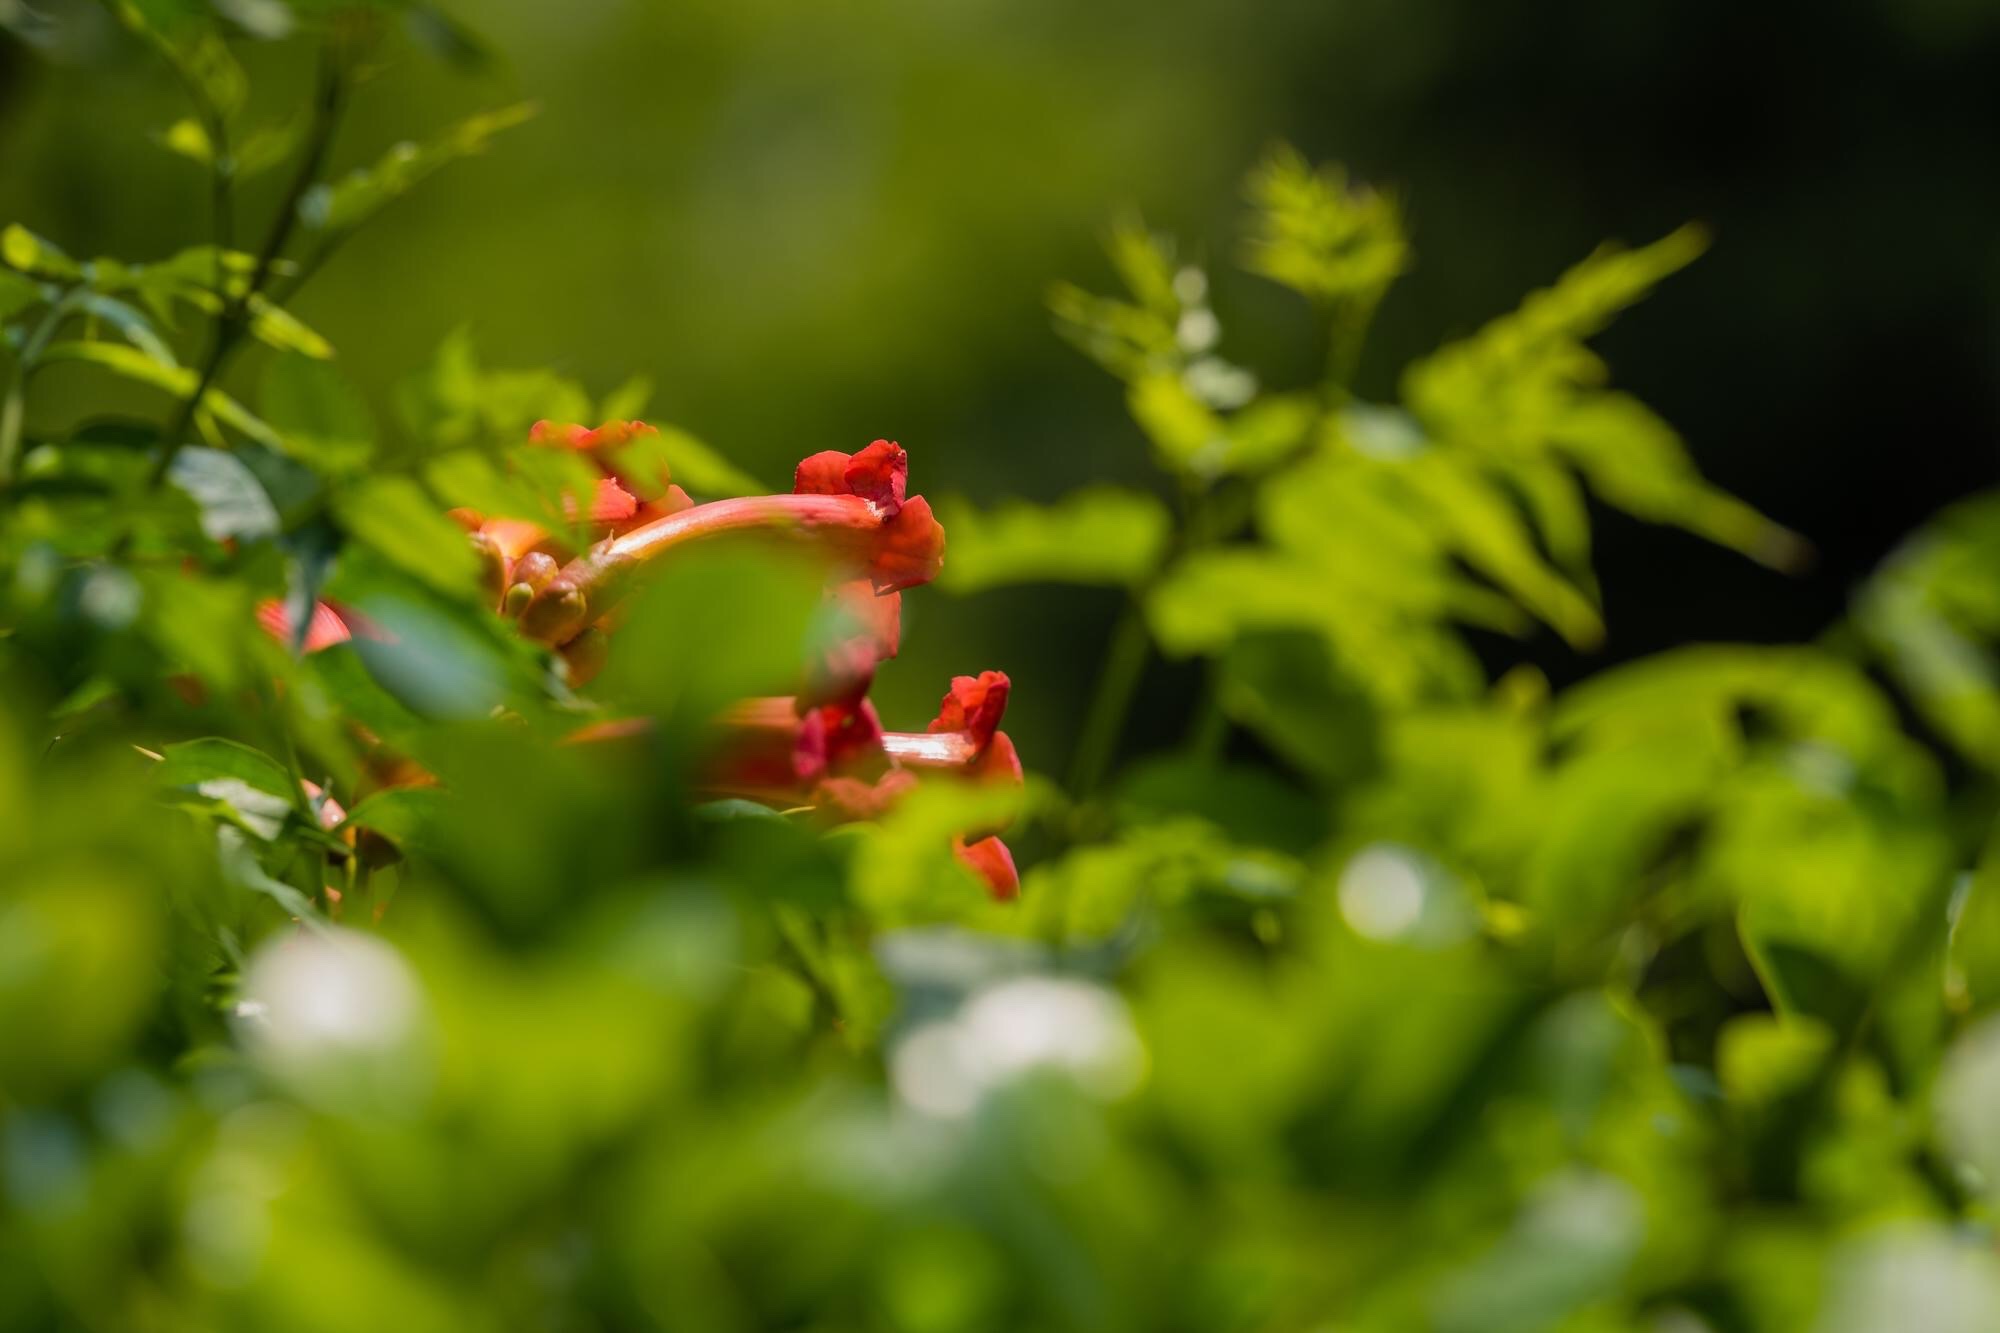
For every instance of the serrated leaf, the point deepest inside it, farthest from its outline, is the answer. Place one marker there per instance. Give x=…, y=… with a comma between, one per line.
x=1321, y=235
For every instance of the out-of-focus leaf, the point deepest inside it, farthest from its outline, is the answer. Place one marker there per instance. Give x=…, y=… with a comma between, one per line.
x=1933, y=613
x=698, y=467
x=1761, y=1058
x=1251, y=805
x=400, y=522
x=1187, y=435
x=137, y=329
x=188, y=138
x=1097, y=535
x=266, y=20
x=627, y=401
x=277, y=327
x=1635, y=461
x=353, y=198
x=1284, y=687
x=457, y=402
x=318, y=415
x=179, y=381
x=445, y=37
x=81, y=971
x=18, y=292
x=233, y=504
x=22, y=250
x=197, y=761
x=1320, y=235
x=904, y=871
x=404, y=815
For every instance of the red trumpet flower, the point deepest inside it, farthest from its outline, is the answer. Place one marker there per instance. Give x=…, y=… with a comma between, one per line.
x=835, y=759
x=823, y=749
x=858, y=519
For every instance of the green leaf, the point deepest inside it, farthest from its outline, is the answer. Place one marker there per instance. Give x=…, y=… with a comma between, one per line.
x=405, y=816
x=1481, y=526
x=1285, y=688
x=1320, y=235
x=22, y=250
x=1099, y=535
x=355, y=197
x=136, y=328
x=1635, y=461
x=1762, y=1058
x=1186, y=434
x=317, y=414
x=446, y=38
x=19, y=292
x=702, y=469
x=213, y=68
x=627, y=401
x=251, y=787
x=277, y=327
x=217, y=757
x=396, y=518
x=233, y=504
x=179, y=381
x=188, y=137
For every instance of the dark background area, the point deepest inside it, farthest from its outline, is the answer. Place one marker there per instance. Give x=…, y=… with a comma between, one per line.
x=815, y=225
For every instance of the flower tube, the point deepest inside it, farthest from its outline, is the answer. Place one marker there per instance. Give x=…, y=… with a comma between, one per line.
x=858, y=518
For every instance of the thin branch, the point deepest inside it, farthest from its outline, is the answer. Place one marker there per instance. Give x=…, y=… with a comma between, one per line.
x=234, y=319
x=13, y=407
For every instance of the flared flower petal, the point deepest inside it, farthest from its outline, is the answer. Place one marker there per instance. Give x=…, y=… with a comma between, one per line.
x=974, y=705
x=324, y=630
x=878, y=474
x=990, y=859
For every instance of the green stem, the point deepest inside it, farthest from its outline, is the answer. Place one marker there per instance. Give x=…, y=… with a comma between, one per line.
x=1347, y=330
x=234, y=320
x=13, y=408
x=1210, y=731
x=1117, y=685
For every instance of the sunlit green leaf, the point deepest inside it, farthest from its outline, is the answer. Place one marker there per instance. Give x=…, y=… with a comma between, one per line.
x=1096, y=535
x=22, y=250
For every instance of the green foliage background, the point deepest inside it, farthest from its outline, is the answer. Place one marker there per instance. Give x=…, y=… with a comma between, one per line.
x=1391, y=991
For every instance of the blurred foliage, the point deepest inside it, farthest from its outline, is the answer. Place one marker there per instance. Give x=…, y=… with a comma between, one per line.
x=1396, y=997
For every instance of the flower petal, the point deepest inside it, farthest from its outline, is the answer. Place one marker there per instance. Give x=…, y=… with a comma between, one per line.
x=989, y=859
x=974, y=705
